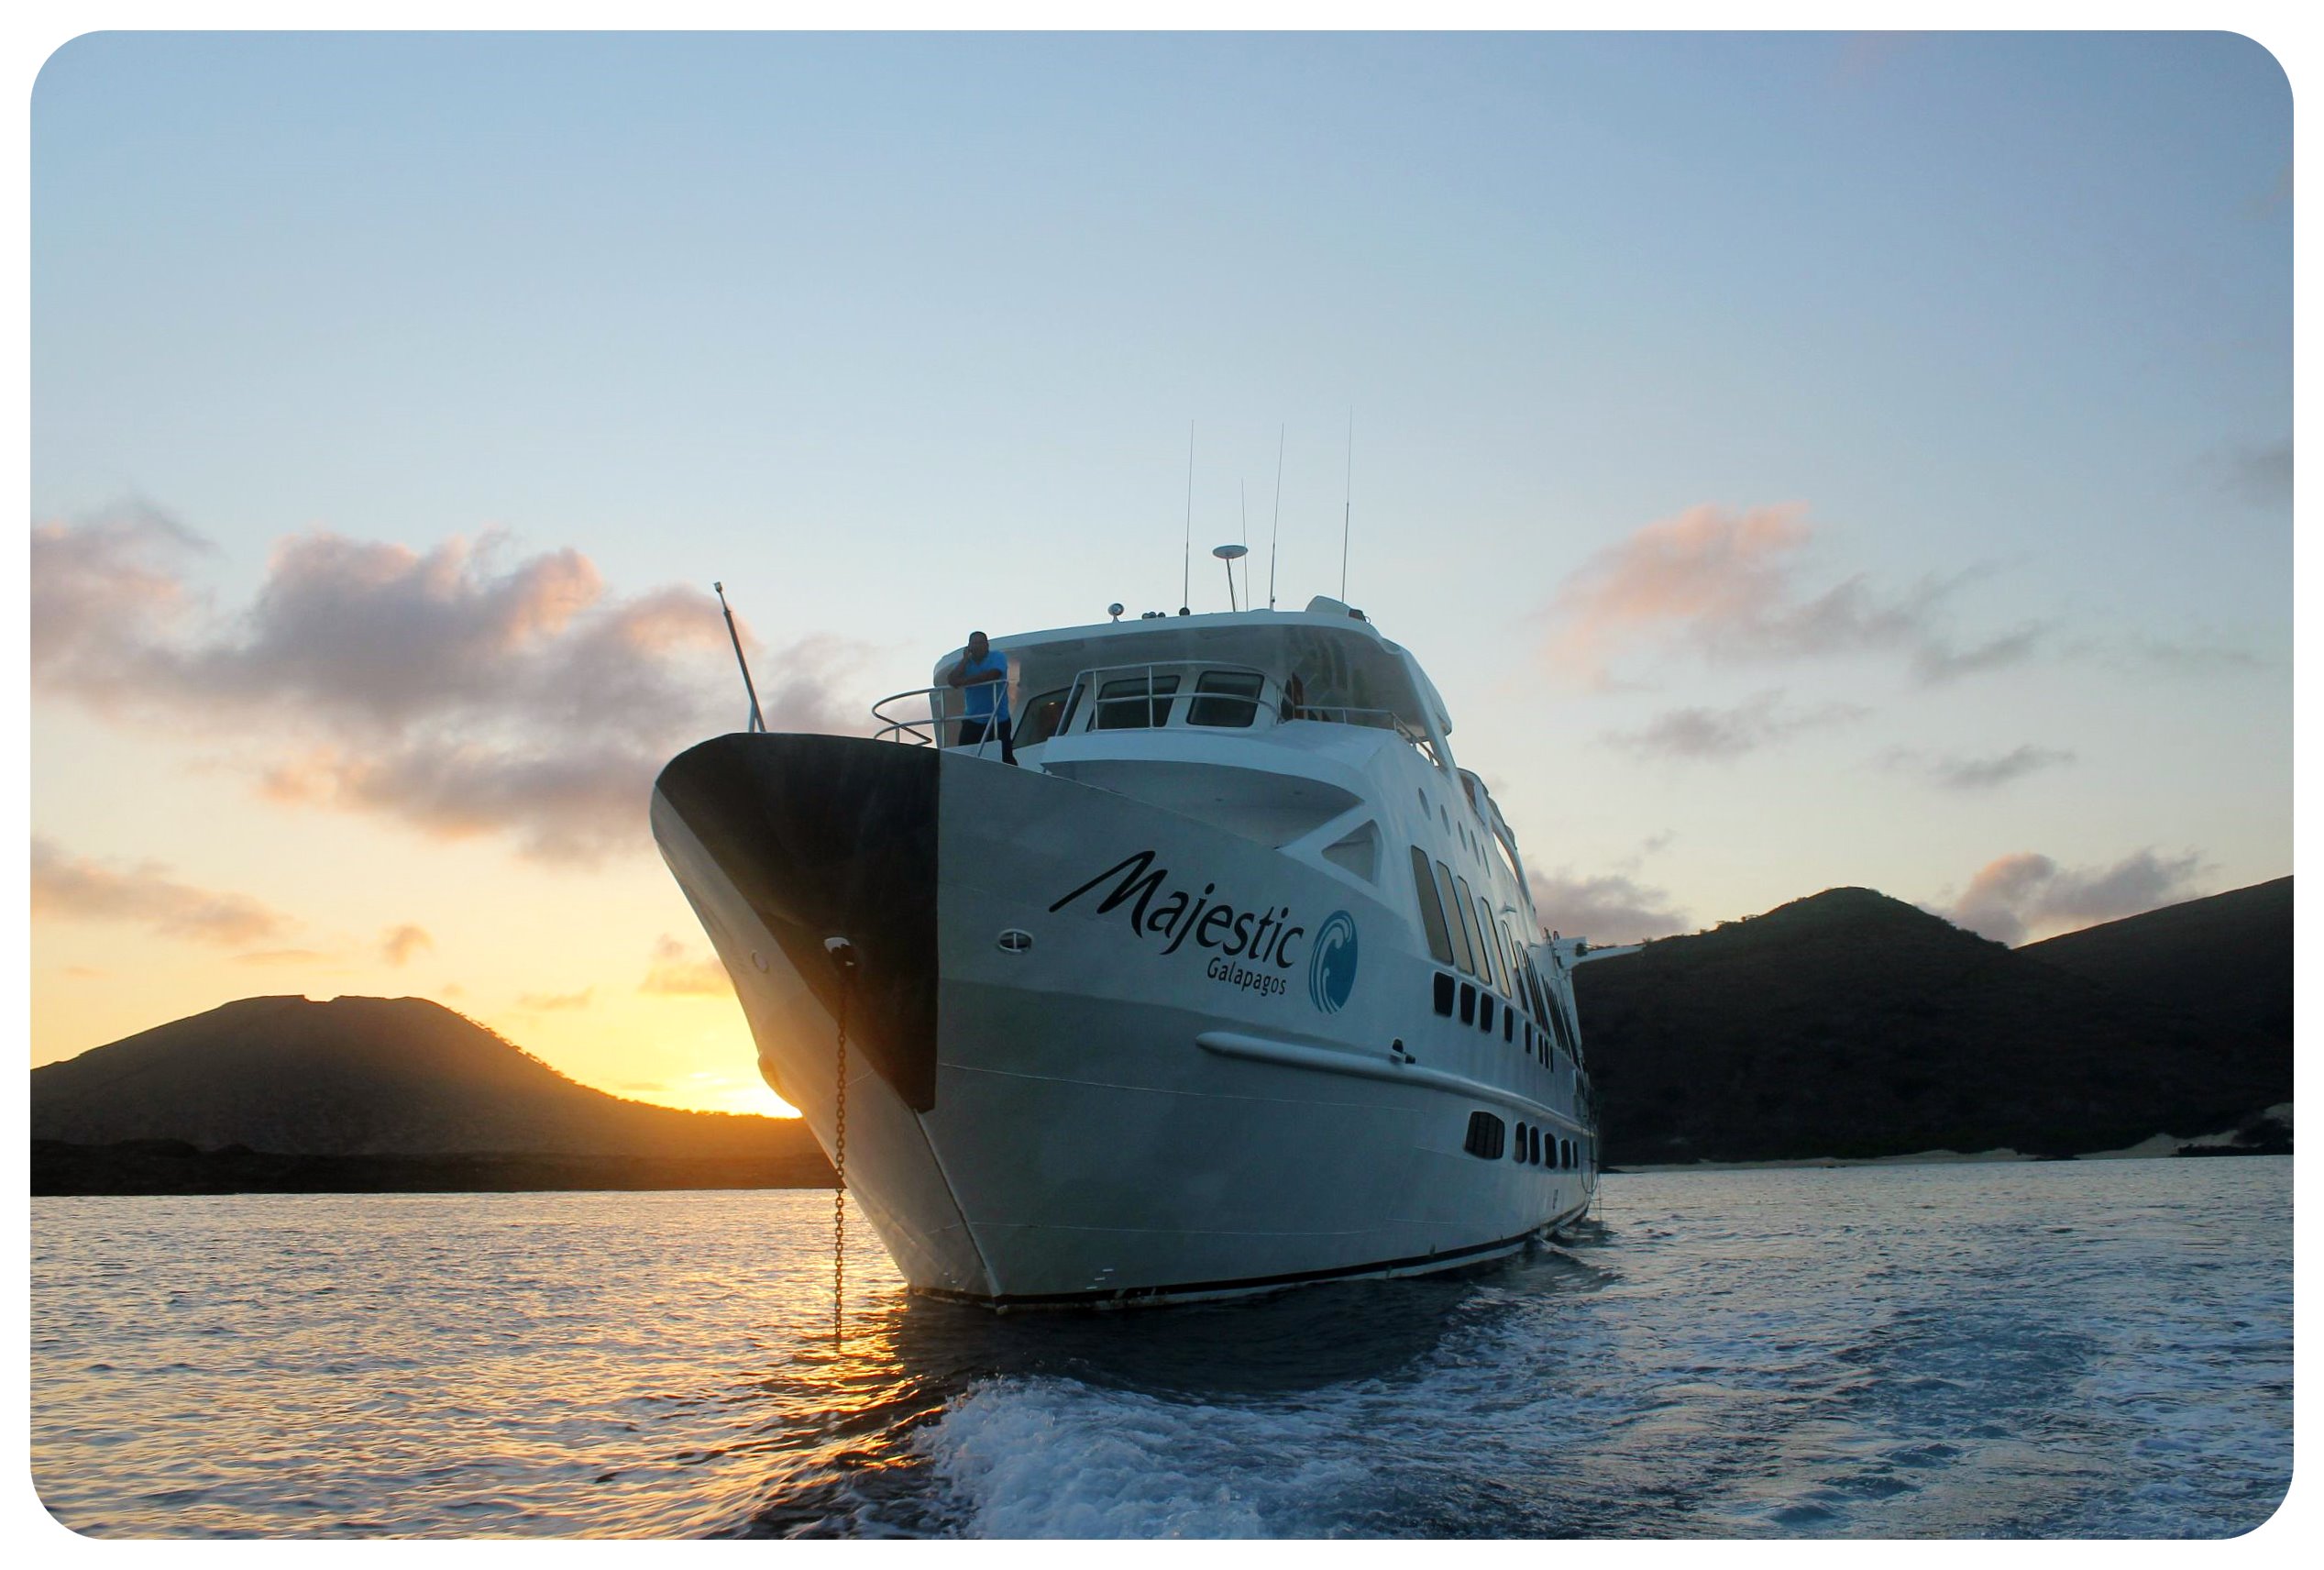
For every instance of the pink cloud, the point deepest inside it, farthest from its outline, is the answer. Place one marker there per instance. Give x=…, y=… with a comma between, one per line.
x=399, y=944
x=1729, y=585
x=461, y=689
x=2013, y=896
x=77, y=887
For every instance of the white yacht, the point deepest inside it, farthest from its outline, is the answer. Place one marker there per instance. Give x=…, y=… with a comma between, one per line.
x=1231, y=983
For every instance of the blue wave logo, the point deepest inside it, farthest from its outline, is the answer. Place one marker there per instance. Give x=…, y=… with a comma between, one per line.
x=1331, y=971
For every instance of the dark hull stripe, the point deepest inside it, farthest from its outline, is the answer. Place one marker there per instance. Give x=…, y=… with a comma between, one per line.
x=1127, y=1297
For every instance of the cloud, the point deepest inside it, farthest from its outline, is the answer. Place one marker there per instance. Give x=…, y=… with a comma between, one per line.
x=1729, y=586
x=283, y=956
x=2013, y=896
x=1953, y=773
x=1717, y=735
x=677, y=972
x=398, y=944
x=2260, y=475
x=2189, y=658
x=552, y=1002
x=102, y=587
x=462, y=690
x=1935, y=661
x=1606, y=908
x=76, y=888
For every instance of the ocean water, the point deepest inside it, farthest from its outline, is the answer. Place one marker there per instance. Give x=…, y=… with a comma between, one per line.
x=2062, y=1349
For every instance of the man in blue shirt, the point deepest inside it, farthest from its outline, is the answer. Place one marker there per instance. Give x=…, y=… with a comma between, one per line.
x=985, y=675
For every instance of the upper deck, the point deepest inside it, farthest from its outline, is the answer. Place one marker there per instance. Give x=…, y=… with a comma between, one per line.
x=1236, y=670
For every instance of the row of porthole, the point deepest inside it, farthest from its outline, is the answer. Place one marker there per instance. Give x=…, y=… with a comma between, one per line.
x=1528, y=1149
x=1489, y=1139
x=1477, y=1007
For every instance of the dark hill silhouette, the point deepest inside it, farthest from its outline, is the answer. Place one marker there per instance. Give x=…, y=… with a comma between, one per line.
x=1852, y=1024
x=373, y=1077
x=2226, y=959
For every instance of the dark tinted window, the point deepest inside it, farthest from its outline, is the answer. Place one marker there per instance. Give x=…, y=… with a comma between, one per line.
x=1477, y=945
x=1488, y=1136
x=1233, y=698
x=1500, y=949
x=1462, y=956
x=1517, y=1153
x=1445, y=985
x=1432, y=911
x=1040, y=718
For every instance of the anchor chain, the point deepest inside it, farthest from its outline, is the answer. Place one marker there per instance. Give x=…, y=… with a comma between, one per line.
x=842, y=956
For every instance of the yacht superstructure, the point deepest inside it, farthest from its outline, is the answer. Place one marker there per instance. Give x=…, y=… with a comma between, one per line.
x=1232, y=982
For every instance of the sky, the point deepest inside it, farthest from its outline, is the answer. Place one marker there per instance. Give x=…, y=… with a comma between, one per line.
x=1801, y=462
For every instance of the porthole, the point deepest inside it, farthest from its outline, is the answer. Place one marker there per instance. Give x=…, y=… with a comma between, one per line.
x=1015, y=940
x=1488, y=1136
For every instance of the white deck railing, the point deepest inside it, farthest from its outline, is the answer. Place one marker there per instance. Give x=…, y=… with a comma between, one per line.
x=938, y=725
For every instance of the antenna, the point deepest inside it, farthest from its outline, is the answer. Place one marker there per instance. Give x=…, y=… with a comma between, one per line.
x=757, y=722
x=1242, y=489
x=1227, y=555
x=1186, y=568
x=1347, y=506
x=1279, y=516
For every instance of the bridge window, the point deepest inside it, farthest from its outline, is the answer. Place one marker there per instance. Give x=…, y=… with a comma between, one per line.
x=1041, y=718
x=1488, y=1136
x=1224, y=698
x=1432, y=910
x=1123, y=704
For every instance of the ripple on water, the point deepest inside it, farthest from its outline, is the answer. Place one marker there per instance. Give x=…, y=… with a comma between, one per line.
x=2054, y=1349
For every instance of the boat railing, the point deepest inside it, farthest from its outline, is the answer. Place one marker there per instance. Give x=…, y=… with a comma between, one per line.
x=1377, y=719
x=940, y=725
x=935, y=727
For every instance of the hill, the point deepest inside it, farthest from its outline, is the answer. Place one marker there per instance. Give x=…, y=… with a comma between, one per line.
x=373, y=1077
x=2226, y=959
x=1852, y=1024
